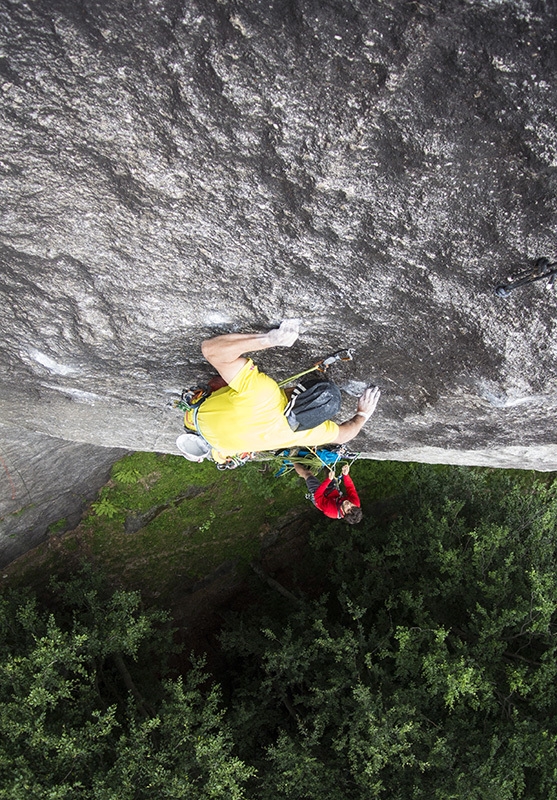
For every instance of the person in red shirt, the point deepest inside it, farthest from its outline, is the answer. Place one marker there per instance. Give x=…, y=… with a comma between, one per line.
x=328, y=499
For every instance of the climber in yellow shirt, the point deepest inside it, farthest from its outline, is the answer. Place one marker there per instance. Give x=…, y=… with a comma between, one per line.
x=247, y=415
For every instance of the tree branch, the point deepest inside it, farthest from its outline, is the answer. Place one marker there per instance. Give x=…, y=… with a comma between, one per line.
x=143, y=707
x=260, y=572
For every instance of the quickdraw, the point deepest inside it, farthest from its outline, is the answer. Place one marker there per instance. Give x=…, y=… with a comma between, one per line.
x=322, y=365
x=232, y=462
x=543, y=268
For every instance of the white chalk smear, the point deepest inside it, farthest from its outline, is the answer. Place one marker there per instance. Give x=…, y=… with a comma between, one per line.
x=50, y=364
x=502, y=401
x=215, y=318
x=77, y=394
x=354, y=388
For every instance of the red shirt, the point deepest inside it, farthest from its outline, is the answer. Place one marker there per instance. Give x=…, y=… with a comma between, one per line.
x=330, y=505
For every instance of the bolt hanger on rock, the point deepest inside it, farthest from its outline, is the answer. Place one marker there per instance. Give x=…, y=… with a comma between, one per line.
x=543, y=268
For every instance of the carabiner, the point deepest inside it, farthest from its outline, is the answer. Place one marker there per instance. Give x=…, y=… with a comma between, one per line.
x=340, y=355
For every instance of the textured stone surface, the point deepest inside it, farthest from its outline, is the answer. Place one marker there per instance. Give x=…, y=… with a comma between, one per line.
x=44, y=481
x=173, y=169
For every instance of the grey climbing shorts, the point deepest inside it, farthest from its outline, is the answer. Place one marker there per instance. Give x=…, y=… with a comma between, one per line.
x=313, y=485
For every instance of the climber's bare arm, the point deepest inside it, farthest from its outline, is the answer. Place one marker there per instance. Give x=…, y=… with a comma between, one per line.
x=366, y=406
x=225, y=352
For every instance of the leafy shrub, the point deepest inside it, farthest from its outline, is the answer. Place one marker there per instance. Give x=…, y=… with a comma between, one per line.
x=104, y=508
x=126, y=474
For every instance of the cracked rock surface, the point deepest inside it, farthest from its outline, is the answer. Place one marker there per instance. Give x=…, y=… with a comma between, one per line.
x=170, y=170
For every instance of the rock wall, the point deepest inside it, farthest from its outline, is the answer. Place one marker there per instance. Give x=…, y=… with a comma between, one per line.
x=45, y=481
x=174, y=169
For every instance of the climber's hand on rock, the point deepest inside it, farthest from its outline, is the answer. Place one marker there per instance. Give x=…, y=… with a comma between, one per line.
x=286, y=334
x=368, y=401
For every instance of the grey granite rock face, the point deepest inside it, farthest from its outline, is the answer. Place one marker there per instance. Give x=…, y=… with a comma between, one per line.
x=44, y=482
x=172, y=169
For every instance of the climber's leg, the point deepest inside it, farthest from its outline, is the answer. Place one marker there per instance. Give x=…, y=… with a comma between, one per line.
x=225, y=352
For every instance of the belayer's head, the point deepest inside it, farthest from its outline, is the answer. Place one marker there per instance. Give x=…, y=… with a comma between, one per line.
x=350, y=513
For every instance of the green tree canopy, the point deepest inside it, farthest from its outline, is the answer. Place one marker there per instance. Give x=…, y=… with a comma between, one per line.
x=86, y=713
x=427, y=668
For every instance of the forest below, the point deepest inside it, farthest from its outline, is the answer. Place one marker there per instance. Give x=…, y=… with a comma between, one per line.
x=410, y=656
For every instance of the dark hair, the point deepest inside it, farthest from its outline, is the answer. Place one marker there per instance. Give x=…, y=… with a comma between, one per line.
x=353, y=516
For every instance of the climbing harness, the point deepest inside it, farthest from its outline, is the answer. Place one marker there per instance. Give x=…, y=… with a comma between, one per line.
x=542, y=268
x=327, y=456
x=342, y=454
x=191, y=398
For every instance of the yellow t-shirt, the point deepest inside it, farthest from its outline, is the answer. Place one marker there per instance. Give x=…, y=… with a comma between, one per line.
x=248, y=415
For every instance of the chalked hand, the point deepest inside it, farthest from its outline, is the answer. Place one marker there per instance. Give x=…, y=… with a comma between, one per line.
x=368, y=401
x=286, y=334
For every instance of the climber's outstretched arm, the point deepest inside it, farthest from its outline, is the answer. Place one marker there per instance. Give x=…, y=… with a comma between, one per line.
x=225, y=352
x=366, y=406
